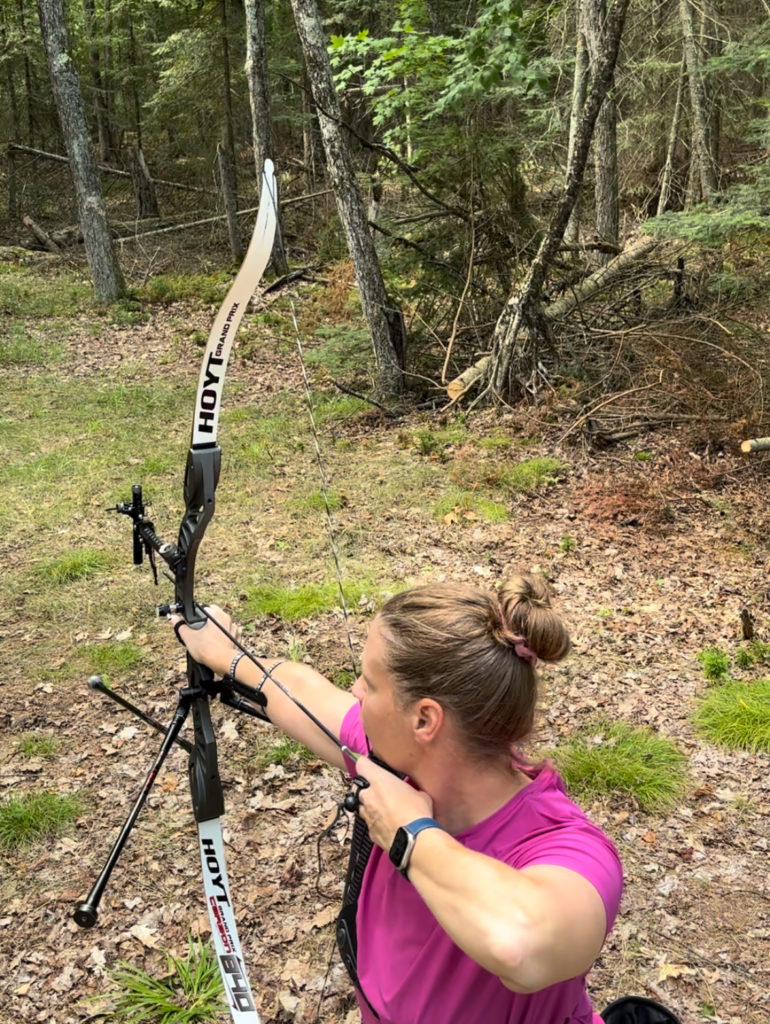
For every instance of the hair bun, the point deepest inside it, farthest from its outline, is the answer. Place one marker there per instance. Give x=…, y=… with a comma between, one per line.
x=527, y=617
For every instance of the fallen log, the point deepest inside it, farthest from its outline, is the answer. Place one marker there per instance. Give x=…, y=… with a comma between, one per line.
x=604, y=277
x=757, y=444
x=41, y=154
x=41, y=235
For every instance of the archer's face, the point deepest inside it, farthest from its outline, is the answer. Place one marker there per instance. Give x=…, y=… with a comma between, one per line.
x=386, y=722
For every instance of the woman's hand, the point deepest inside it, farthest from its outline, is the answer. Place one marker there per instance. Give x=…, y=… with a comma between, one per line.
x=207, y=644
x=388, y=802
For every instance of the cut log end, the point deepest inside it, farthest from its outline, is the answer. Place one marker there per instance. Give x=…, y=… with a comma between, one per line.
x=757, y=444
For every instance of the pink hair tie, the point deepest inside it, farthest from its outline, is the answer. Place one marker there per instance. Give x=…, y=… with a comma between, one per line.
x=524, y=651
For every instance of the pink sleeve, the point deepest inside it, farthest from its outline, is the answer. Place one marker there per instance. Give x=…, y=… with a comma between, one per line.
x=583, y=848
x=352, y=735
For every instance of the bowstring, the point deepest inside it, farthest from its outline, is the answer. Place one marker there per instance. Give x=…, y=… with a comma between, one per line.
x=319, y=456
x=332, y=534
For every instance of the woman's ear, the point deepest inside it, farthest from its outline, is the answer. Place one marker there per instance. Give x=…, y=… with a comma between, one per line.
x=427, y=719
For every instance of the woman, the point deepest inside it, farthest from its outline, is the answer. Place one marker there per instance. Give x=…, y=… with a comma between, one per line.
x=488, y=894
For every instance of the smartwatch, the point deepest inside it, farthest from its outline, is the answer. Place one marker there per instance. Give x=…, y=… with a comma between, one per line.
x=403, y=842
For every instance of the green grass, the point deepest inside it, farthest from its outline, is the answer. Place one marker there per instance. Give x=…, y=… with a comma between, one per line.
x=293, y=603
x=616, y=758
x=73, y=565
x=191, y=991
x=281, y=752
x=467, y=506
x=34, y=817
x=36, y=293
x=117, y=658
x=528, y=476
x=757, y=652
x=715, y=663
x=314, y=501
x=25, y=347
x=333, y=408
x=34, y=744
x=203, y=288
x=436, y=440
x=737, y=715
x=344, y=678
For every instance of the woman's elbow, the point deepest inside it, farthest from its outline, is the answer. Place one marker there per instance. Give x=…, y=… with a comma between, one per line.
x=529, y=965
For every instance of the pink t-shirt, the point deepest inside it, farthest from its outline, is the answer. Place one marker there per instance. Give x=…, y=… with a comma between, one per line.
x=411, y=970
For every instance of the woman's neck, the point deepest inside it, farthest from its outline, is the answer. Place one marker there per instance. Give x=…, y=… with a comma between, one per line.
x=466, y=792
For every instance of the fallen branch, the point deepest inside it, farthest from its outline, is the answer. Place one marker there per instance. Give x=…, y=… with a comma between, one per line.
x=42, y=236
x=757, y=444
x=41, y=154
x=605, y=276
x=607, y=401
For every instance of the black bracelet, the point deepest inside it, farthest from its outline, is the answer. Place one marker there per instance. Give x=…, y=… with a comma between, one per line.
x=177, y=627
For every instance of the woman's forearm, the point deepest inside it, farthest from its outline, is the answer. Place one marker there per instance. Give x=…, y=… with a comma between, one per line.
x=322, y=698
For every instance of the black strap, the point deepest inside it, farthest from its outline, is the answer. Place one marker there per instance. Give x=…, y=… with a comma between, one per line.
x=347, y=936
x=637, y=1010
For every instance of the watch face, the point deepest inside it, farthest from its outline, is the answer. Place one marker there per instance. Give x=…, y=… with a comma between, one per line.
x=399, y=846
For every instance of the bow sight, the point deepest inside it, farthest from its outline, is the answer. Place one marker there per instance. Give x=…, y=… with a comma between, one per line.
x=146, y=541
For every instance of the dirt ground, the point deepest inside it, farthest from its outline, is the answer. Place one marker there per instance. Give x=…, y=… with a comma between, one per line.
x=666, y=555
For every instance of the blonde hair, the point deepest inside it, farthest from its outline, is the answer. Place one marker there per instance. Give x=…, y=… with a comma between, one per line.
x=457, y=645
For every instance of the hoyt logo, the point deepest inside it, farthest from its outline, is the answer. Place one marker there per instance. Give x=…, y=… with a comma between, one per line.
x=209, y=397
x=211, y=862
x=237, y=985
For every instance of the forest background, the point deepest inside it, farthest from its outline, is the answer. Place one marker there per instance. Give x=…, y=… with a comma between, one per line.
x=524, y=249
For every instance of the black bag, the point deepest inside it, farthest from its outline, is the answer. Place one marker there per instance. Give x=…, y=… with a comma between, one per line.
x=637, y=1010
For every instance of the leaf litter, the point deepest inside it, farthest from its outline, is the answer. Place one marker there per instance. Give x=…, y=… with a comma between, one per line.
x=655, y=572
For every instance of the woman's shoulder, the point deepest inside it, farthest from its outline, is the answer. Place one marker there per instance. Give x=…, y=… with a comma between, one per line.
x=548, y=827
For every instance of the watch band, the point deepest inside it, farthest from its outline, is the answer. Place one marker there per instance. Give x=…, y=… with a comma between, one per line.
x=403, y=842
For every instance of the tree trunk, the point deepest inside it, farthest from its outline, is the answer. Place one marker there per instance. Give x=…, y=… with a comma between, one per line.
x=673, y=136
x=579, y=90
x=259, y=101
x=105, y=269
x=385, y=323
x=708, y=178
x=28, y=84
x=108, y=83
x=523, y=310
x=258, y=85
x=10, y=84
x=228, y=98
x=135, y=104
x=712, y=45
x=227, y=184
x=605, y=277
x=101, y=114
x=11, y=175
x=308, y=147
x=605, y=136
x=144, y=189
